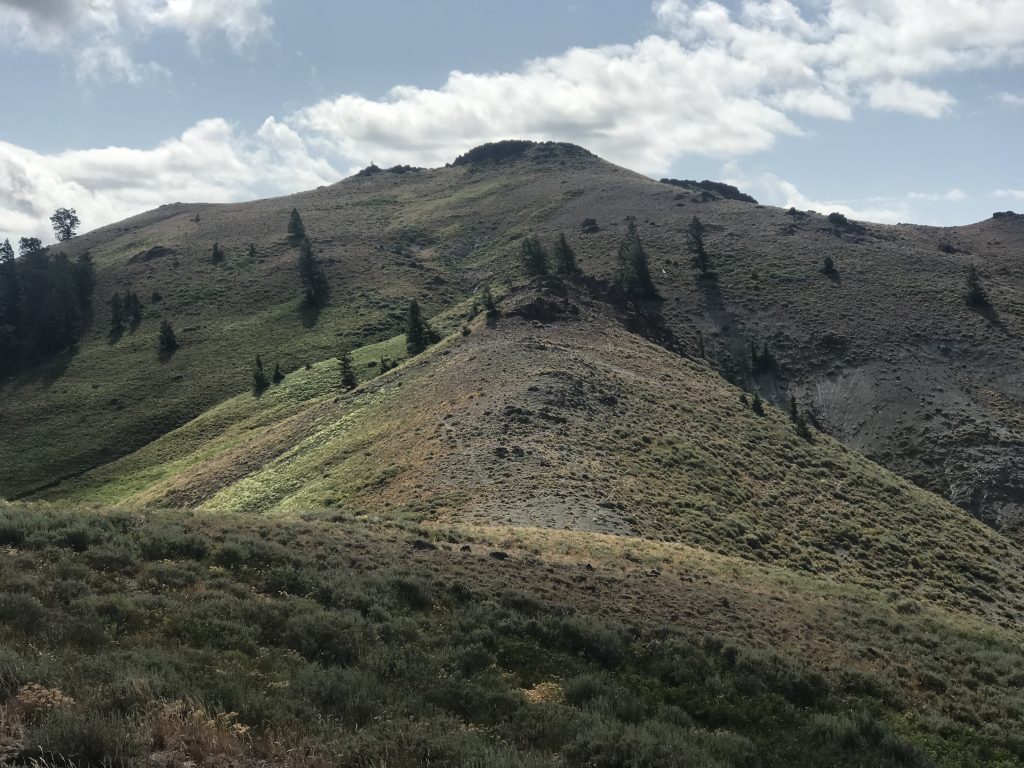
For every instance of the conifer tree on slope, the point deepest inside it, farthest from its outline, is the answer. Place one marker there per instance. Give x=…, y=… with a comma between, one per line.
x=633, y=276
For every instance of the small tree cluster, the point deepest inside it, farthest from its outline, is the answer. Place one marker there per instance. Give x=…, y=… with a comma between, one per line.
x=217, y=256
x=535, y=257
x=828, y=266
x=799, y=420
x=45, y=299
x=418, y=333
x=633, y=276
x=124, y=311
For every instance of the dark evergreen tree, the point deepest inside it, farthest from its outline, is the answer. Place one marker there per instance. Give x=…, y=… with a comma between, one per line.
x=278, y=376
x=757, y=406
x=252, y=251
x=85, y=278
x=828, y=265
x=695, y=242
x=296, y=229
x=348, y=374
x=633, y=276
x=133, y=310
x=116, y=315
x=314, y=281
x=794, y=415
x=976, y=294
x=565, y=258
x=218, y=254
x=30, y=246
x=168, y=342
x=259, y=377
x=487, y=300
x=65, y=223
x=10, y=312
x=535, y=258
x=418, y=334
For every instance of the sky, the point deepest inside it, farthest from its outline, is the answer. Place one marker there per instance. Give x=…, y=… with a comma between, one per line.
x=906, y=111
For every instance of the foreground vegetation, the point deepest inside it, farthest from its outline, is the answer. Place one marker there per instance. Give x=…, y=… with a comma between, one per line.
x=130, y=637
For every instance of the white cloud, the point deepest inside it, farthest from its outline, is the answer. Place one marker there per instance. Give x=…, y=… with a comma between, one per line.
x=769, y=188
x=903, y=96
x=210, y=162
x=113, y=62
x=1015, y=194
x=1010, y=99
x=98, y=33
x=955, y=195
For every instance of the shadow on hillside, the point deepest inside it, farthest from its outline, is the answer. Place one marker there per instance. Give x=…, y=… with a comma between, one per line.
x=47, y=372
x=988, y=312
x=309, y=312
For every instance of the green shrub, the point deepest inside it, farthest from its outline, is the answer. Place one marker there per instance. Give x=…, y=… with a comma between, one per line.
x=92, y=738
x=353, y=696
x=171, y=542
x=21, y=611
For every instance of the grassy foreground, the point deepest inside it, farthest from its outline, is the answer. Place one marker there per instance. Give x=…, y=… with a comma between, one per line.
x=129, y=638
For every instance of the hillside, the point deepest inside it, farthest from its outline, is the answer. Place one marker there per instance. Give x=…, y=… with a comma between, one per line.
x=886, y=351
x=555, y=415
x=547, y=540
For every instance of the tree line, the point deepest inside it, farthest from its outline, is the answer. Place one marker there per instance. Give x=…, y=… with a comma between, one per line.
x=45, y=297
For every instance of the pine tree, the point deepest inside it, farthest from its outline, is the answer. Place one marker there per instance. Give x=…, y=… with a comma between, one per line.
x=296, y=229
x=487, y=300
x=116, y=315
x=9, y=307
x=565, y=258
x=314, y=281
x=85, y=279
x=793, y=414
x=278, y=376
x=634, y=277
x=695, y=242
x=828, y=265
x=348, y=374
x=535, y=258
x=218, y=254
x=976, y=295
x=757, y=406
x=133, y=310
x=259, y=376
x=168, y=341
x=252, y=251
x=418, y=334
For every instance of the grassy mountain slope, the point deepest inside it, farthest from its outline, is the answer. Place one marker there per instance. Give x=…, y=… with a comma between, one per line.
x=556, y=416
x=888, y=353
x=231, y=640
